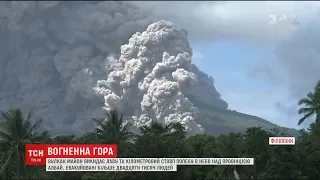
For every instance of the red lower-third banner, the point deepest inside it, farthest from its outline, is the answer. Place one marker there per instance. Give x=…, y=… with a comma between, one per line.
x=36, y=154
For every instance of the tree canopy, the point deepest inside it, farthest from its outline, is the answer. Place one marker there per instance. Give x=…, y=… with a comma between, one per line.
x=298, y=162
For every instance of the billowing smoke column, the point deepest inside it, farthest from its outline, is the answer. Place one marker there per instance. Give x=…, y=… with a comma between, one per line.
x=149, y=77
x=53, y=53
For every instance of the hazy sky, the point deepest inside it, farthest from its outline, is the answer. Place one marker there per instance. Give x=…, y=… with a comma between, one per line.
x=259, y=69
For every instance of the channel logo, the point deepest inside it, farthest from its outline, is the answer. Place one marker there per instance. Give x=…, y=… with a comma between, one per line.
x=282, y=141
x=284, y=19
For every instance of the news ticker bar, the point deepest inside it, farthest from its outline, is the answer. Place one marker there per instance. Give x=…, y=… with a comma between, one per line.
x=38, y=154
x=136, y=164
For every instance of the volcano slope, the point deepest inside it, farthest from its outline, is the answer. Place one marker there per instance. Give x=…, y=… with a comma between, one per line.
x=64, y=62
x=219, y=121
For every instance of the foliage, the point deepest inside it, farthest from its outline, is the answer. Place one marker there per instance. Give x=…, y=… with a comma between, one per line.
x=15, y=132
x=312, y=105
x=299, y=162
x=271, y=162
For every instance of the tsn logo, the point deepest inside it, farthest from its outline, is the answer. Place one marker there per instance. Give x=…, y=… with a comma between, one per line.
x=35, y=154
x=284, y=19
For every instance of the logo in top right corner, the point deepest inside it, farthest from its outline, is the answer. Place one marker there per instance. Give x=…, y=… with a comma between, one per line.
x=282, y=141
x=284, y=19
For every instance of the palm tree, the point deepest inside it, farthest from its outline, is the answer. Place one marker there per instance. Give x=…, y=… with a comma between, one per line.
x=178, y=129
x=15, y=132
x=157, y=140
x=113, y=129
x=312, y=105
x=152, y=141
x=157, y=128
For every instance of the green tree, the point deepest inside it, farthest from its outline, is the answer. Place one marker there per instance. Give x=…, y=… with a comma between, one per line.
x=307, y=150
x=15, y=132
x=256, y=145
x=155, y=139
x=311, y=105
x=113, y=129
x=199, y=146
x=229, y=146
x=159, y=141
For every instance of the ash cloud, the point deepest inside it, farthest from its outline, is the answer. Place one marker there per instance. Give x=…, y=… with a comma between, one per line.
x=151, y=72
x=55, y=54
